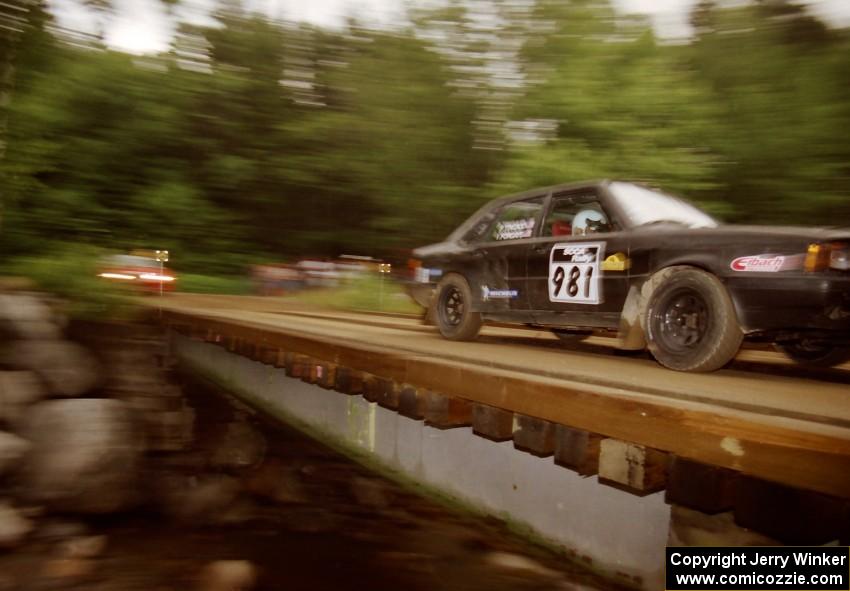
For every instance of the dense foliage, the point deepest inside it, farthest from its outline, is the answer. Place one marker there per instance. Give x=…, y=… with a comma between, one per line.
x=256, y=140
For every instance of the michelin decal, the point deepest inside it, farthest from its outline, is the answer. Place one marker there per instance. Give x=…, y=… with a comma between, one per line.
x=498, y=294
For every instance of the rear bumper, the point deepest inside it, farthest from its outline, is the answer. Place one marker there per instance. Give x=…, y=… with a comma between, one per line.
x=817, y=303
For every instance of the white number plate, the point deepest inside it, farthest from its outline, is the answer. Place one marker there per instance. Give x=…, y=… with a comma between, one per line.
x=574, y=272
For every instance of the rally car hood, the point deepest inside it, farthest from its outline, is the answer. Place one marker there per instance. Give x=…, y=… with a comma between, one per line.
x=440, y=248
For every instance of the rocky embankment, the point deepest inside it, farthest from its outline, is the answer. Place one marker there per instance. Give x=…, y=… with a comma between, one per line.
x=96, y=426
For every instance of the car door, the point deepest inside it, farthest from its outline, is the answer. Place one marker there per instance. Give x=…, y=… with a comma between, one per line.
x=502, y=250
x=578, y=266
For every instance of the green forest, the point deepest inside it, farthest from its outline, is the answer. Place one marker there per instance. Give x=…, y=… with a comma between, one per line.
x=256, y=140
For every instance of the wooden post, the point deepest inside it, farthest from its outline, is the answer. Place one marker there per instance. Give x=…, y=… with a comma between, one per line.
x=299, y=367
x=348, y=381
x=411, y=403
x=639, y=469
x=282, y=358
x=699, y=486
x=492, y=423
x=325, y=375
x=388, y=395
x=577, y=450
x=446, y=412
x=535, y=436
x=376, y=388
x=790, y=515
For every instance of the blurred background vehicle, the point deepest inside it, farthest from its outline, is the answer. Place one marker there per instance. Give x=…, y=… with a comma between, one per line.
x=142, y=270
x=277, y=279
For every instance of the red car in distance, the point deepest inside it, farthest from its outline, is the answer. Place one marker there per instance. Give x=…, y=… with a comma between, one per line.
x=138, y=271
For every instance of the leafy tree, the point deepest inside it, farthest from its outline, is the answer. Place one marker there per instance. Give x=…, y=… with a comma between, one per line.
x=778, y=78
x=617, y=104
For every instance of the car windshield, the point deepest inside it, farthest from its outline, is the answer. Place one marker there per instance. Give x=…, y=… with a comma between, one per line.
x=126, y=260
x=644, y=206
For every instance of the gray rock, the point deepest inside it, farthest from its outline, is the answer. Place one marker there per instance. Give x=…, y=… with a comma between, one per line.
x=61, y=529
x=27, y=317
x=82, y=547
x=18, y=390
x=170, y=430
x=68, y=369
x=12, y=449
x=195, y=499
x=228, y=575
x=242, y=446
x=85, y=456
x=14, y=527
x=371, y=492
x=277, y=482
x=63, y=572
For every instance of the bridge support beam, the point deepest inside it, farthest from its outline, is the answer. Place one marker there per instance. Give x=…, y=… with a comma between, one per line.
x=618, y=533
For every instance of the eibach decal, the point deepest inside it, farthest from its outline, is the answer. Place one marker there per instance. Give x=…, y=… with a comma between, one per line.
x=766, y=263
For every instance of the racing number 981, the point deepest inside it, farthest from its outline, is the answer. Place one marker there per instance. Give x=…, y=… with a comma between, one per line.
x=574, y=272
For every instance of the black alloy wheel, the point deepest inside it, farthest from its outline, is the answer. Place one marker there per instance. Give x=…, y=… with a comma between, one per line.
x=690, y=320
x=454, y=316
x=452, y=306
x=681, y=320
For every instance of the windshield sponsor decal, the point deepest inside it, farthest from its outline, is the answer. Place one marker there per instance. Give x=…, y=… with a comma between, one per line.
x=767, y=263
x=498, y=294
x=574, y=272
x=515, y=229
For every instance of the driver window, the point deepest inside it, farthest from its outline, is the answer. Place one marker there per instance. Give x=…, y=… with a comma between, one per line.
x=576, y=215
x=517, y=220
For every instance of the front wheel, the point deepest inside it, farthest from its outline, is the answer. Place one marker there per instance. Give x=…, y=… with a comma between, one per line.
x=691, y=322
x=813, y=354
x=454, y=315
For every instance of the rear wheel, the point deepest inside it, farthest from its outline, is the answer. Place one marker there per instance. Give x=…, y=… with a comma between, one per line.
x=453, y=314
x=690, y=321
x=814, y=354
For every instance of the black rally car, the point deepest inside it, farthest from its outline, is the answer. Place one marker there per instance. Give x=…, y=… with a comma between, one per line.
x=617, y=257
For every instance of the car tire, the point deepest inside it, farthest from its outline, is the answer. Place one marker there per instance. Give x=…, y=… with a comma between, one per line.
x=453, y=313
x=690, y=321
x=569, y=336
x=814, y=354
